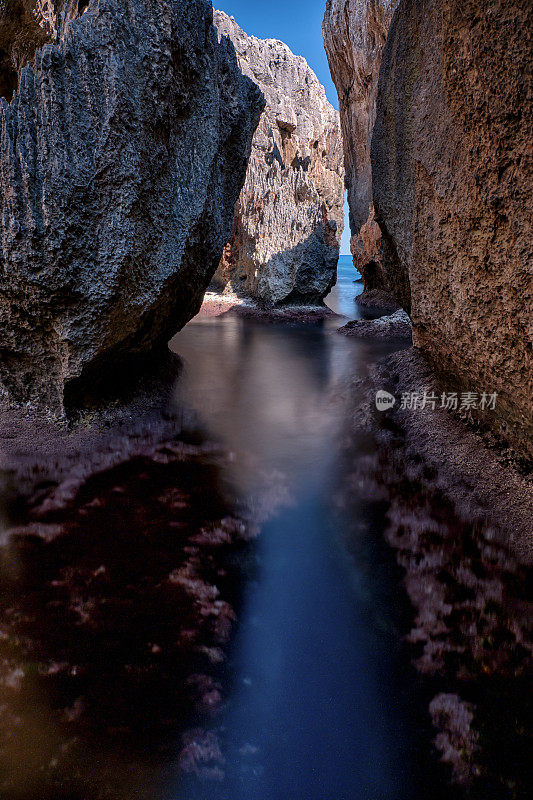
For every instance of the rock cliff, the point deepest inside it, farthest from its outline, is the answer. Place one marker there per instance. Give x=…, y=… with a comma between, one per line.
x=125, y=132
x=289, y=217
x=354, y=33
x=451, y=158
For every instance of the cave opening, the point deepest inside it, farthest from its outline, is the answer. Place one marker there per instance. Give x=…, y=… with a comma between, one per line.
x=82, y=6
x=8, y=77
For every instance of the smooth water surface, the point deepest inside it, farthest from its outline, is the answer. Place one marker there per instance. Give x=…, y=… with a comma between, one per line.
x=97, y=635
x=117, y=680
x=314, y=712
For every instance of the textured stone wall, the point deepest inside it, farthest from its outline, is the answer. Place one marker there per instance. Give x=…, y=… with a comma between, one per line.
x=123, y=150
x=289, y=217
x=354, y=33
x=451, y=158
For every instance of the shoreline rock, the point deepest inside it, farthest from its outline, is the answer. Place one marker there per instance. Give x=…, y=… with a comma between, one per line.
x=377, y=300
x=288, y=222
x=354, y=33
x=109, y=245
x=217, y=304
x=395, y=326
x=130, y=546
x=457, y=512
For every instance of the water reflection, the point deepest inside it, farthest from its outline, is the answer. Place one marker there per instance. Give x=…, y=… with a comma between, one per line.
x=315, y=710
x=265, y=389
x=116, y=608
x=349, y=284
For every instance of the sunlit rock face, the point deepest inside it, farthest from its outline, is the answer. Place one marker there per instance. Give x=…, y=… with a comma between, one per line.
x=451, y=162
x=125, y=140
x=354, y=34
x=289, y=217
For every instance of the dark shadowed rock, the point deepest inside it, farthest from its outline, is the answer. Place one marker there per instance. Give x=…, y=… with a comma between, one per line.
x=26, y=25
x=126, y=573
x=451, y=157
x=124, y=149
x=376, y=300
x=289, y=218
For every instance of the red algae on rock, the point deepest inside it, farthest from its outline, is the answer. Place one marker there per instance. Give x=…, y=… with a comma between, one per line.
x=462, y=536
x=121, y=563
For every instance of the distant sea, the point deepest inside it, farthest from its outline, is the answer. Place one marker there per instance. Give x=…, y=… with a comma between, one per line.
x=346, y=269
x=341, y=298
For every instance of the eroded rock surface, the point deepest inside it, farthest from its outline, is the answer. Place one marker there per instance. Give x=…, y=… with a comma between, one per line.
x=289, y=218
x=393, y=326
x=124, y=149
x=354, y=34
x=451, y=157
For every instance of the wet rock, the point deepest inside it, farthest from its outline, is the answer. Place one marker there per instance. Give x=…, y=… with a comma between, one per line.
x=123, y=548
x=114, y=609
x=452, y=193
x=354, y=33
x=456, y=741
x=395, y=326
x=457, y=512
x=201, y=755
x=216, y=304
x=207, y=691
x=378, y=301
x=124, y=149
x=289, y=218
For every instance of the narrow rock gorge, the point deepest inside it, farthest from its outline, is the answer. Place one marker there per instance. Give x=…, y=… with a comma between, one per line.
x=451, y=166
x=289, y=217
x=354, y=33
x=126, y=128
x=253, y=542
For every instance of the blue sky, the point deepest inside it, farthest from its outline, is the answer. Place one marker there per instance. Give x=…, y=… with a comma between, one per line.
x=298, y=23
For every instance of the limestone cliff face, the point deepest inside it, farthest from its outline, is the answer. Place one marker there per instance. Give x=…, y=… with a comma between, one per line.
x=289, y=217
x=125, y=131
x=354, y=34
x=451, y=158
